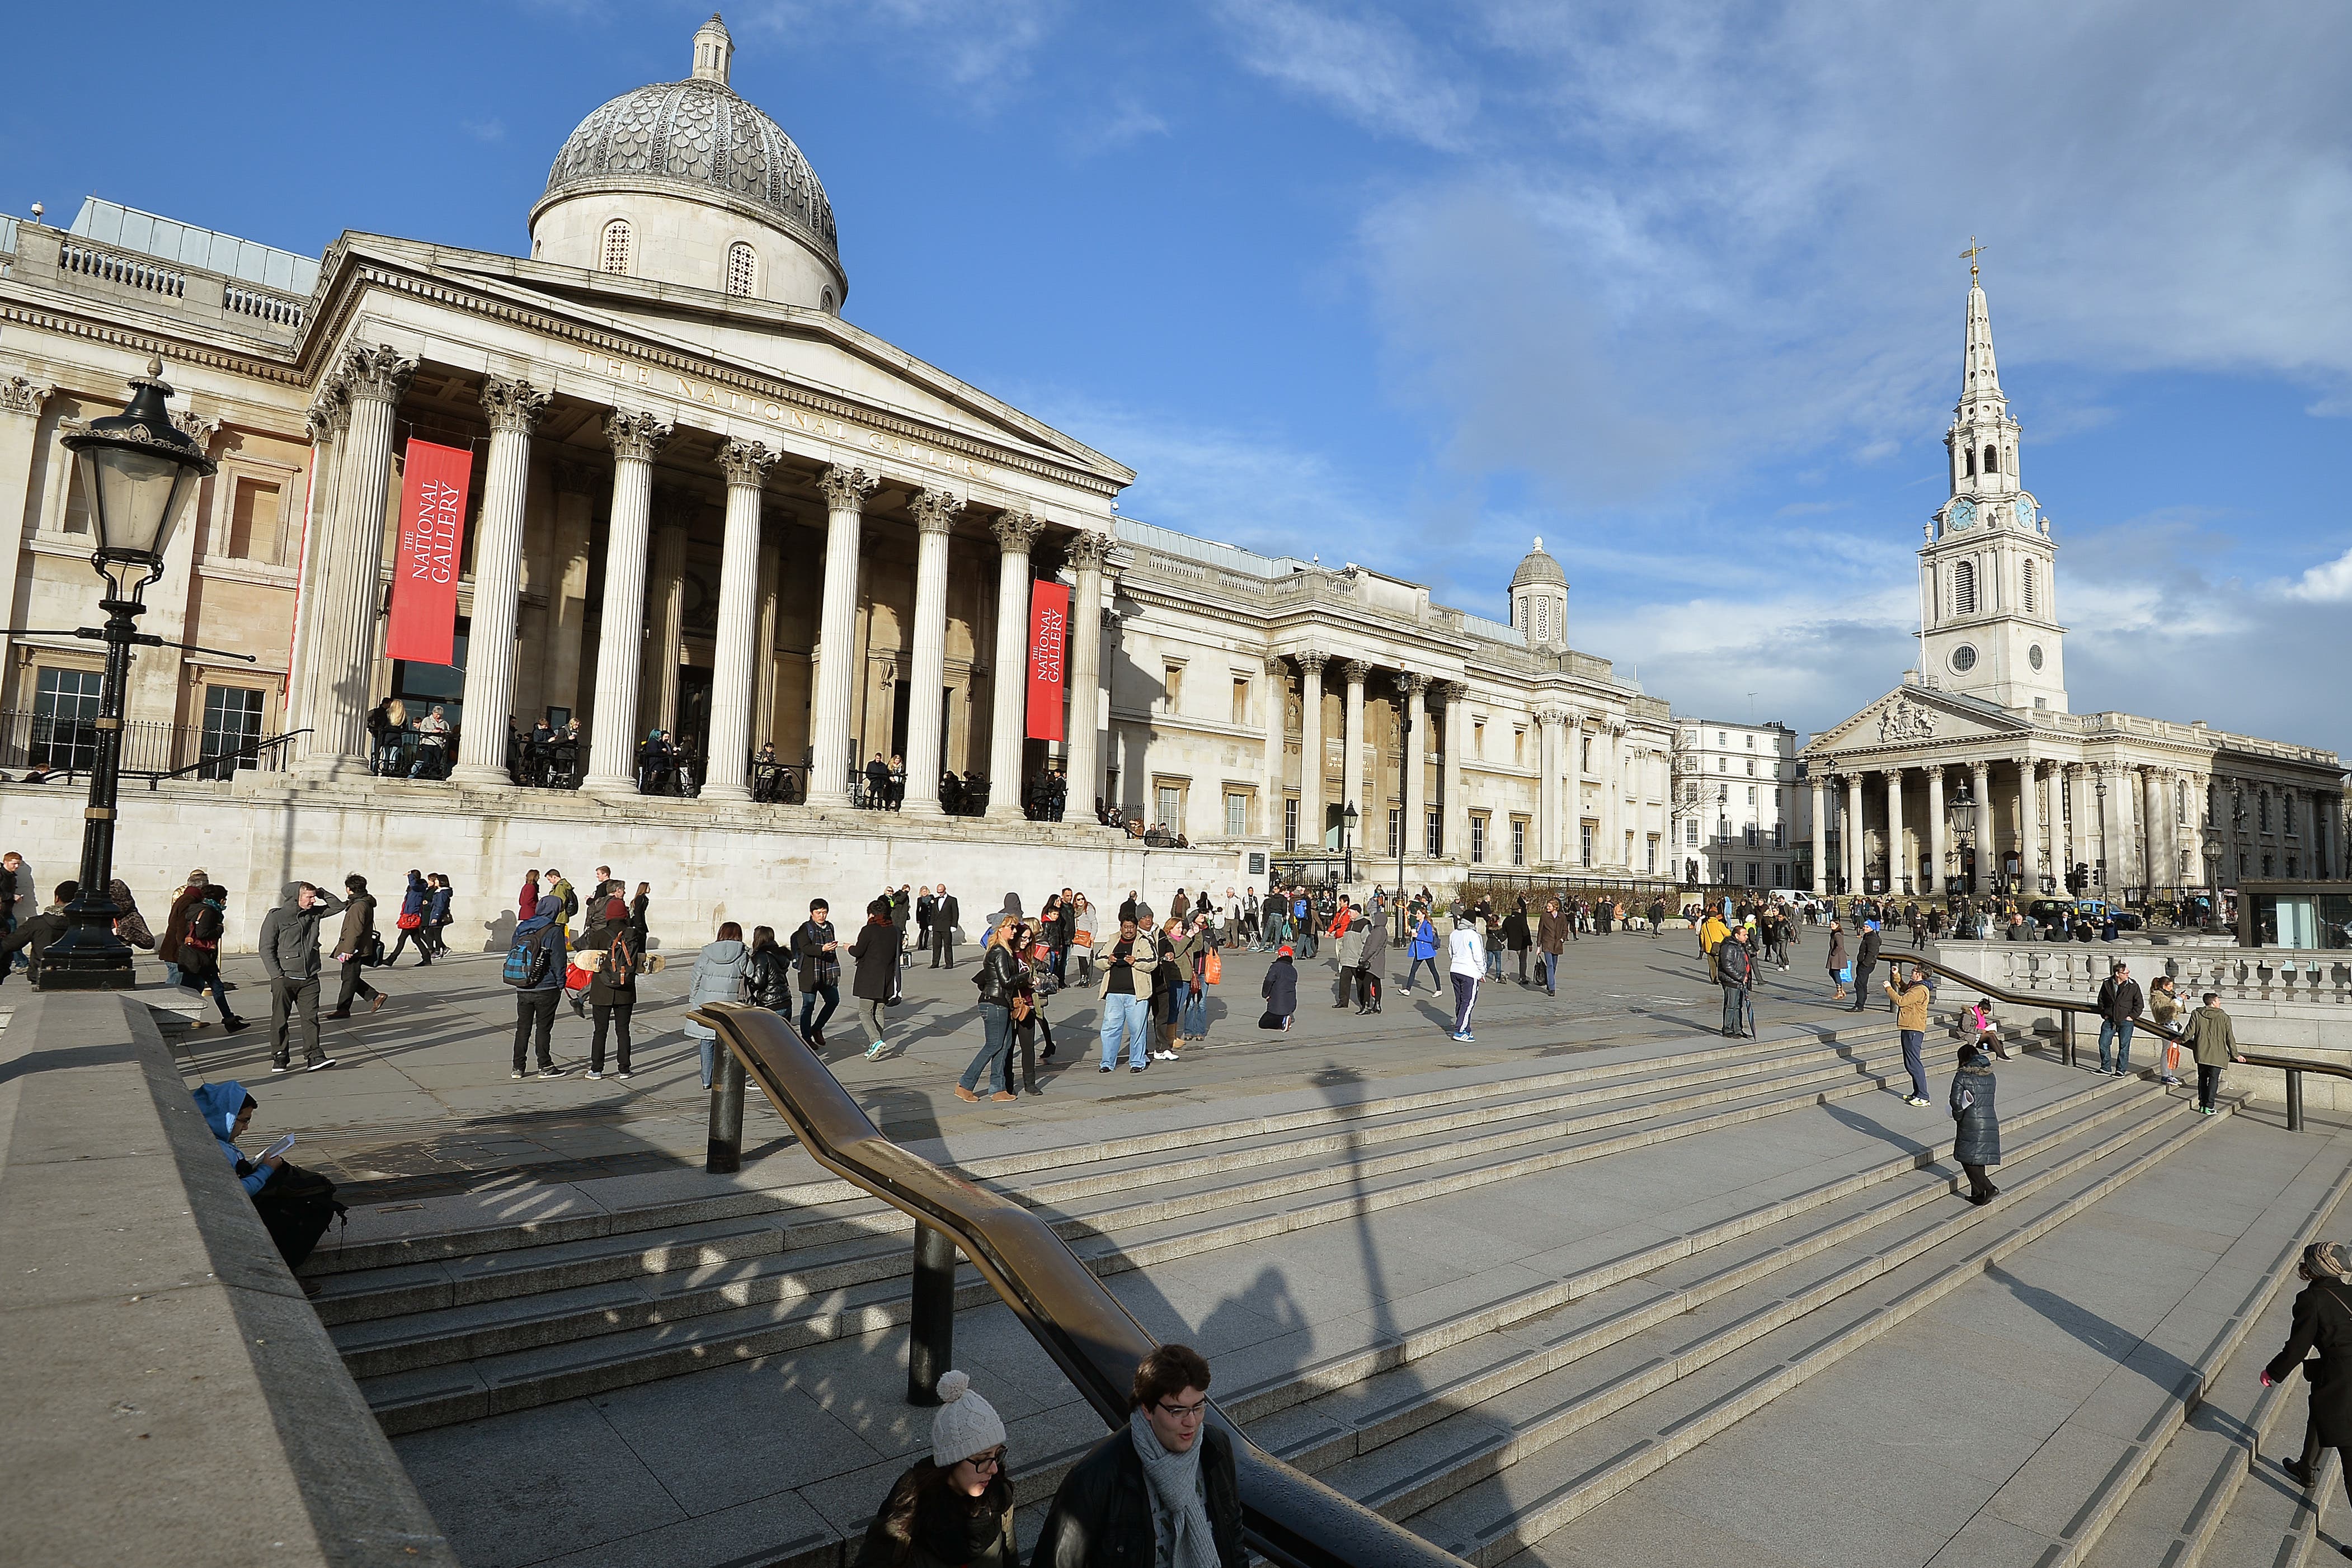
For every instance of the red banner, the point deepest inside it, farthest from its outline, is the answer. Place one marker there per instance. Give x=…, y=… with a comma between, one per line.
x=432, y=542
x=1049, y=646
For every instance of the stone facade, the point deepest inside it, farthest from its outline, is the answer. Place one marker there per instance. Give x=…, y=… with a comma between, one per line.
x=1738, y=822
x=703, y=501
x=1974, y=776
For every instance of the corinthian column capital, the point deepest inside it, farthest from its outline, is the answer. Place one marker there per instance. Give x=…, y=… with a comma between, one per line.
x=377, y=375
x=1355, y=672
x=1016, y=532
x=636, y=436
x=745, y=463
x=935, y=510
x=846, y=488
x=1312, y=659
x=1088, y=551
x=1411, y=681
x=199, y=428
x=330, y=415
x=19, y=395
x=512, y=405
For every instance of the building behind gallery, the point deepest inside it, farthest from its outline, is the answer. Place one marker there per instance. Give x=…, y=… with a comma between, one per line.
x=795, y=529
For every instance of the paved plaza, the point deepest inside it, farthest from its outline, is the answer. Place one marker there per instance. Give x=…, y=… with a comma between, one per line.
x=419, y=1102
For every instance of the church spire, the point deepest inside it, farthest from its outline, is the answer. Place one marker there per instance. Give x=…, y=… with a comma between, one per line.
x=1983, y=437
x=1980, y=376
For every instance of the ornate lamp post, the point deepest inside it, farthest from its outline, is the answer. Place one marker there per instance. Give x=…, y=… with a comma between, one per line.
x=2212, y=880
x=1347, y=845
x=136, y=469
x=2099, y=786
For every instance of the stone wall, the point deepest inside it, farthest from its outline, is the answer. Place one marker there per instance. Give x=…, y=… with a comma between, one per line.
x=706, y=863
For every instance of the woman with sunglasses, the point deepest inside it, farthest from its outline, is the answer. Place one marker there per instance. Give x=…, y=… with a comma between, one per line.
x=955, y=1508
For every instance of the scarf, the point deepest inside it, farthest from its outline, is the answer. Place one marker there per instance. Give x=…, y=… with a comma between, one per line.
x=1180, y=1509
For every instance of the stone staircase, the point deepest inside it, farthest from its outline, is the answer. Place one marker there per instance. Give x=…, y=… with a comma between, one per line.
x=1525, y=1416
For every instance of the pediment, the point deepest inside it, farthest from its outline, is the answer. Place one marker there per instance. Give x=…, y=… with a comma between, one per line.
x=1912, y=717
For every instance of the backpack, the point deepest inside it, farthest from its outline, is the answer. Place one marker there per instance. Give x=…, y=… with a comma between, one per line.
x=526, y=964
x=570, y=903
x=620, y=964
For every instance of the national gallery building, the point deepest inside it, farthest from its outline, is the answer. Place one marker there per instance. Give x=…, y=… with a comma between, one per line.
x=697, y=499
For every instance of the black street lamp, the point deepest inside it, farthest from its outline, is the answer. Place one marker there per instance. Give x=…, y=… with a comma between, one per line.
x=136, y=469
x=1347, y=846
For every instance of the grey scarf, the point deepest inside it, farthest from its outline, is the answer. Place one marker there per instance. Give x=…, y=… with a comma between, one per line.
x=1179, y=1506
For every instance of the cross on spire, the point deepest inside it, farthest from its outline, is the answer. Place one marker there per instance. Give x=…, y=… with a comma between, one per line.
x=1970, y=254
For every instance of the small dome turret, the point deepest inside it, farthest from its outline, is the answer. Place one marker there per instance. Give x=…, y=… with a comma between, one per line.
x=1539, y=600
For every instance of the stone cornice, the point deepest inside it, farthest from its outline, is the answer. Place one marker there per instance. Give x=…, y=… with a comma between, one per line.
x=148, y=344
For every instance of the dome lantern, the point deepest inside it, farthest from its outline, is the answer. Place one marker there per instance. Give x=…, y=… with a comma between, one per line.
x=1539, y=599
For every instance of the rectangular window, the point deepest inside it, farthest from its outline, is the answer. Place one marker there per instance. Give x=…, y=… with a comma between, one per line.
x=1290, y=823
x=1171, y=685
x=254, y=522
x=1478, y=840
x=1396, y=831
x=1690, y=833
x=1519, y=841
x=1479, y=738
x=1751, y=873
x=1584, y=844
x=1653, y=853
x=1436, y=831
x=1721, y=739
x=1236, y=815
x=232, y=723
x=64, y=714
x=1172, y=805
x=1585, y=765
x=1241, y=700
x=1519, y=748
x=1723, y=764
x=1751, y=742
x=1751, y=794
x=1752, y=768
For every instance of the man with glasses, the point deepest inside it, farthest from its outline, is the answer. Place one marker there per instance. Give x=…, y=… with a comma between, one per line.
x=1162, y=1491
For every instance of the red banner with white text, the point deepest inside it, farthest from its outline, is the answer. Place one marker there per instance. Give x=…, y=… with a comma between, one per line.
x=1049, y=646
x=432, y=487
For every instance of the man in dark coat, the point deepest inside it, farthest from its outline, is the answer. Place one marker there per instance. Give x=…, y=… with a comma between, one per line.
x=1735, y=971
x=1866, y=958
x=35, y=935
x=1160, y=1489
x=2323, y=1322
x=945, y=912
x=2119, y=1004
x=290, y=952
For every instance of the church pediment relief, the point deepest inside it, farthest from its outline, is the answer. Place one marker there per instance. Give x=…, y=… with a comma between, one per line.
x=1909, y=716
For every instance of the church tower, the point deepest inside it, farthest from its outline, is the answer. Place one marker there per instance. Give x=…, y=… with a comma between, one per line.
x=1988, y=578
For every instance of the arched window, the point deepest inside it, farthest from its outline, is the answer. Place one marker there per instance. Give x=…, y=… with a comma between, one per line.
x=2030, y=595
x=1992, y=458
x=616, y=246
x=824, y=301
x=742, y=270
x=1972, y=462
x=1964, y=588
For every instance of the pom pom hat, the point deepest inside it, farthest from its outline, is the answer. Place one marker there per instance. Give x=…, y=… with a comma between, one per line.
x=966, y=1424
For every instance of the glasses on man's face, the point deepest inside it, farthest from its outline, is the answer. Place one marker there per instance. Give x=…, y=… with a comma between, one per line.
x=1183, y=1412
x=992, y=1461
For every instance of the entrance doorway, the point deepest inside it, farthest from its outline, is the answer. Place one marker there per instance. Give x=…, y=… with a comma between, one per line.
x=693, y=731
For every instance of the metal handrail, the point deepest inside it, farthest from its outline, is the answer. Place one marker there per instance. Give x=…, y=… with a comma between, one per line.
x=2295, y=1068
x=1288, y=1517
x=243, y=752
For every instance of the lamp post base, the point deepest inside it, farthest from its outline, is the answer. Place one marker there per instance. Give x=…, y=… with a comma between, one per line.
x=88, y=958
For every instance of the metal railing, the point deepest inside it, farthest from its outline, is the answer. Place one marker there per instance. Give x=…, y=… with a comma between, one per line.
x=64, y=743
x=2293, y=1067
x=1287, y=1517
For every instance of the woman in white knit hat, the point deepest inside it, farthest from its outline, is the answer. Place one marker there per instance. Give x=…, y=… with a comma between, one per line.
x=954, y=1508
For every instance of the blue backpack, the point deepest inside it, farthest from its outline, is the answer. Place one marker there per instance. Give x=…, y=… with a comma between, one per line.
x=526, y=964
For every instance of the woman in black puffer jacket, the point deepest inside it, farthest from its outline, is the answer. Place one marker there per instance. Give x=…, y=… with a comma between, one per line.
x=768, y=972
x=1976, y=1142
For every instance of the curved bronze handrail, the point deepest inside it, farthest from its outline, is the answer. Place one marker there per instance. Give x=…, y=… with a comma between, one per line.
x=2249, y=1055
x=1289, y=1516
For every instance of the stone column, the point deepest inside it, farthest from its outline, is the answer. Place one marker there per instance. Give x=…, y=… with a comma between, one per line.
x=1895, y=854
x=665, y=612
x=1821, y=837
x=20, y=425
x=567, y=591
x=1857, y=863
x=1017, y=534
x=1456, y=825
x=514, y=408
x=830, y=687
x=1936, y=846
x=2157, y=815
x=2107, y=860
x=1547, y=823
x=2029, y=826
x=1352, y=758
x=1082, y=751
x=763, y=698
x=376, y=380
x=620, y=639
x=734, y=681
x=935, y=515
x=1277, y=729
x=1988, y=851
x=329, y=422
x=2077, y=824
x=1414, y=789
x=1310, y=748
x=1612, y=794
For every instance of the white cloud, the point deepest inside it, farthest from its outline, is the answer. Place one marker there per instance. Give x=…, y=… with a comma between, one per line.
x=983, y=49
x=1370, y=68
x=491, y=130
x=2330, y=582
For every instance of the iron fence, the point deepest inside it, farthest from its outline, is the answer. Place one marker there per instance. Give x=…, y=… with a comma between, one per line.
x=65, y=743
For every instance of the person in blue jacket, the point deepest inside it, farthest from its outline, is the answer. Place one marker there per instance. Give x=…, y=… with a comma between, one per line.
x=1422, y=948
x=412, y=903
x=227, y=1109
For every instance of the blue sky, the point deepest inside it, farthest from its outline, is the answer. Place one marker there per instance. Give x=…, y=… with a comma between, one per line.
x=1673, y=285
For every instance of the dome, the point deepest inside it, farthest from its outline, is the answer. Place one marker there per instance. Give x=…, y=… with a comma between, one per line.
x=1538, y=567
x=697, y=138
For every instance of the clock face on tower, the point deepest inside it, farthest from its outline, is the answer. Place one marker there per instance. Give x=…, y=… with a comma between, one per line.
x=1963, y=515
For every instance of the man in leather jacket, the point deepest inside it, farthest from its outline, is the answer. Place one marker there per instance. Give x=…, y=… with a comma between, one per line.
x=1114, y=1503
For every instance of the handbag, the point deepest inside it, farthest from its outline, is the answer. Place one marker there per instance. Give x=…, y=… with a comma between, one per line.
x=1845, y=974
x=410, y=922
x=1212, y=968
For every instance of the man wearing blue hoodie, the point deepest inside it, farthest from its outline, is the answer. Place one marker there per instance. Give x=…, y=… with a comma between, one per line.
x=227, y=1108
x=535, y=1001
x=296, y=1219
